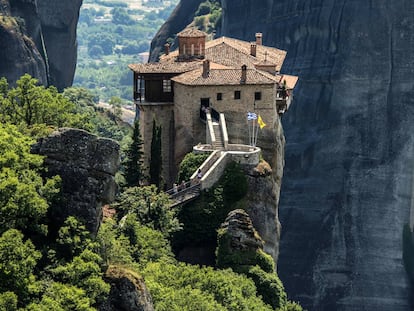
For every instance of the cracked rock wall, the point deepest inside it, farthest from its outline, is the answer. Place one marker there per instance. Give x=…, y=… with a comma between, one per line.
x=347, y=185
x=348, y=179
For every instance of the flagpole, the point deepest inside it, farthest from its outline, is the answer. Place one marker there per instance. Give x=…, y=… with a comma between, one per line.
x=257, y=133
x=253, y=122
x=248, y=127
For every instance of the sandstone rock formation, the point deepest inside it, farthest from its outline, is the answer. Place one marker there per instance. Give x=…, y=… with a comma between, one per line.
x=19, y=50
x=348, y=180
x=39, y=37
x=87, y=165
x=347, y=185
x=128, y=292
x=239, y=236
x=262, y=205
x=59, y=20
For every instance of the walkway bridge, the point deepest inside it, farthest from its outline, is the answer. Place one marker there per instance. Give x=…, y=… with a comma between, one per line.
x=221, y=153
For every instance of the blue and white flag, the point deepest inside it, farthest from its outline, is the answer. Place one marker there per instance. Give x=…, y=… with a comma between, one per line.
x=251, y=116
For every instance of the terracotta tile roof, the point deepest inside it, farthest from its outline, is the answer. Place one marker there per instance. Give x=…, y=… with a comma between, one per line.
x=191, y=32
x=165, y=67
x=234, y=53
x=290, y=80
x=224, y=77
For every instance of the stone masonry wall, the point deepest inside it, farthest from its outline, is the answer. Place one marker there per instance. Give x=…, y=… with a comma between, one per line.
x=164, y=116
x=190, y=131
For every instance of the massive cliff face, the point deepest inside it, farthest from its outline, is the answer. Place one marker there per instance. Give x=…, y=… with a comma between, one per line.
x=39, y=37
x=347, y=185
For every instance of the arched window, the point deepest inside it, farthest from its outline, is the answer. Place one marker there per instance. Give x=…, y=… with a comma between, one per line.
x=192, y=49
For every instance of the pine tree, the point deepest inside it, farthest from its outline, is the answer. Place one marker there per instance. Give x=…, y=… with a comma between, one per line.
x=156, y=159
x=133, y=163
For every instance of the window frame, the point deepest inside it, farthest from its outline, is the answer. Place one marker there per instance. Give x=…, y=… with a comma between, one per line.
x=257, y=95
x=237, y=95
x=219, y=96
x=166, y=86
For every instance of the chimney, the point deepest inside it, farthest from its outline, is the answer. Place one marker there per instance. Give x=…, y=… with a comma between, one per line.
x=243, y=74
x=167, y=48
x=206, y=68
x=253, y=48
x=259, y=37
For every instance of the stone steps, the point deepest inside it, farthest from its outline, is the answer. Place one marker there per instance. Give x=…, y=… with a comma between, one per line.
x=218, y=144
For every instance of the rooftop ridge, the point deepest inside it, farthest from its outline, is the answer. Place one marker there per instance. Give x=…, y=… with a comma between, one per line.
x=225, y=76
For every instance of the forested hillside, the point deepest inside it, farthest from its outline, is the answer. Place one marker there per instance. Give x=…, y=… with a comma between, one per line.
x=111, y=35
x=71, y=268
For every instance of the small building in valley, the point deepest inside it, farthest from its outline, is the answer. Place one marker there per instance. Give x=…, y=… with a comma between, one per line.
x=224, y=76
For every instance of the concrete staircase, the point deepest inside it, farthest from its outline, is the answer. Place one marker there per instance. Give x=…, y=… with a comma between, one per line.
x=218, y=143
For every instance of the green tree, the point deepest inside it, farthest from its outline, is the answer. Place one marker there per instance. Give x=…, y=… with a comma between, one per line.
x=187, y=287
x=95, y=119
x=84, y=272
x=17, y=261
x=62, y=297
x=116, y=104
x=30, y=103
x=24, y=195
x=151, y=208
x=104, y=40
x=8, y=301
x=190, y=164
x=73, y=238
x=113, y=247
x=147, y=244
x=121, y=17
x=156, y=158
x=95, y=51
x=133, y=163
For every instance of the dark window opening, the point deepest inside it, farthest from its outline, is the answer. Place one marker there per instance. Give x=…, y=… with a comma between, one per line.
x=257, y=95
x=237, y=94
x=204, y=105
x=219, y=96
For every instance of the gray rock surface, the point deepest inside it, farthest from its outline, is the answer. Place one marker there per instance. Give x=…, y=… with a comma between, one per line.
x=128, y=292
x=38, y=37
x=20, y=53
x=347, y=185
x=59, y=21
x=87, y=165
x=262, y=205
x=237, y=236
x=348, y=180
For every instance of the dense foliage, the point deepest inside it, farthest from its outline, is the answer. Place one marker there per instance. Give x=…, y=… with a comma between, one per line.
x=186, y=287
x=133, y=161
x=111, y=35
x=189, y=165
x=67, y=271
x=29, y=104
x=208, y=16
x=24, y=195
x=202, y=217
x=151, y=208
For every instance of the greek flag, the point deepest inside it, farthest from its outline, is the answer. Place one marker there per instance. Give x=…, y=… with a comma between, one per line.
x=251, y=116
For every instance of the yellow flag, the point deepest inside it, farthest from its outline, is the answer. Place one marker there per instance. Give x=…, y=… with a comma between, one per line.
x=261, y=122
